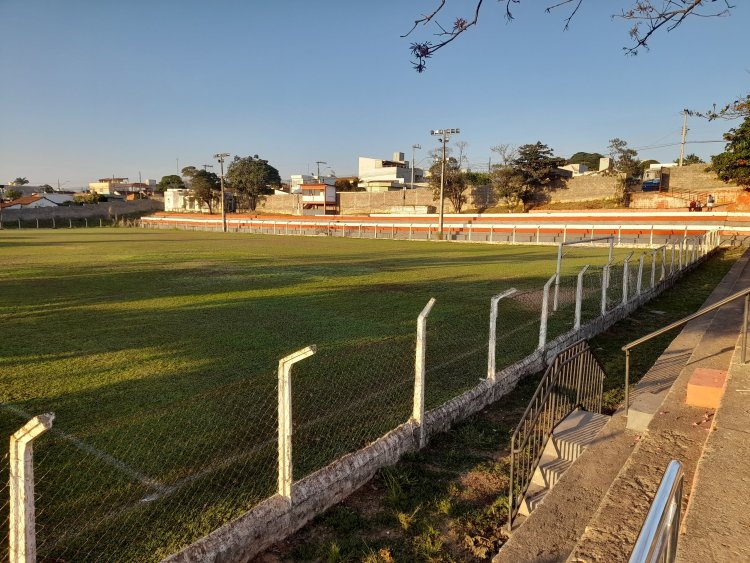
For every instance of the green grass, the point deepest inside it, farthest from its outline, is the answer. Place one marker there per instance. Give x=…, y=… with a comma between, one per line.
x=158, y=353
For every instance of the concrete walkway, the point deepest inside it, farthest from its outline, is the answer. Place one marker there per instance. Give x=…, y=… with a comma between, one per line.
x=596, y=510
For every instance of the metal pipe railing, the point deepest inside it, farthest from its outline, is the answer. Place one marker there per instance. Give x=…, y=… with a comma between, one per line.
x=744, y=293
x=657, y=540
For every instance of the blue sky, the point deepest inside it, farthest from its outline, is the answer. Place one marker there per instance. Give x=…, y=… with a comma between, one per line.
x=94, y=88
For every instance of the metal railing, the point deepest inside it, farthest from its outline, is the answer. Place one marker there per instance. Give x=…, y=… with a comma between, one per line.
x=744, y=293
x=574, y=379
x=657, y=541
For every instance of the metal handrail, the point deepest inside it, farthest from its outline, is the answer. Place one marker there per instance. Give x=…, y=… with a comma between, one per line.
x=573, y=379
x=657, y=540
x=744, y=293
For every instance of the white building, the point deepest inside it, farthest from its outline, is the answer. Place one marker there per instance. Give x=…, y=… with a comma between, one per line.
x=313, y=196
x=377, y=175
x=31, y=202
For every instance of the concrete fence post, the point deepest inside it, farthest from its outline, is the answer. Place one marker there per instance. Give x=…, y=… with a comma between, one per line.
x=605, y=285
x=679, y=255
x=579, y=298
x=565, y=233
x=653, y=267
x=651, y=239
x=625, y=278
x=537, y=233
x=22, y=537
x=285, y=419
x=557, y=276
x=514, y=234
x=491, y=375
x=640, y=275
x=663, y=263
x=545, y=313
x=417, y=414
x=671, y=261
x=619, y=235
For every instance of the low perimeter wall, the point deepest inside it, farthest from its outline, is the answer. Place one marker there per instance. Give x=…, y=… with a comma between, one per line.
x=276, y=518
x=104, y=210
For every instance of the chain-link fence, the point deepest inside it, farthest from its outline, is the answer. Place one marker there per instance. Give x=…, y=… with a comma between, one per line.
x=137, y=481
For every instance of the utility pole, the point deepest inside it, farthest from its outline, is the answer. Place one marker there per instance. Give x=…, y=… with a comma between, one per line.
x=207, y=166
x=443, y=134
x=319, y=162
x=220, y=157
x=684, y=135
x=413, y=149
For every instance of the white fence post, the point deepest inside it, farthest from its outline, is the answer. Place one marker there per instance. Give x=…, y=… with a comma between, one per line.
x=417, y=414
x=545, y=313
x=605, y=285
x=285, y=419
x=663, y=262
x=493, y=332
x=653, y=267
x=557, y=275
x=640, y=275
x=22, y=516
x=514, y=234
x=579, y=298
x=625, y=278
x=671, y=262
x=565, y=233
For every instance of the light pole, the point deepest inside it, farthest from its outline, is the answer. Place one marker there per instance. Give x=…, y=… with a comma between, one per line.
x=443, y=134
x=220, y=157
x=319, y=162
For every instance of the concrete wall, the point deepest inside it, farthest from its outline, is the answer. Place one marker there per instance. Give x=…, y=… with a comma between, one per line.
x=106, y=210
x=587, y=188
x=275, y=518
x=694, y=178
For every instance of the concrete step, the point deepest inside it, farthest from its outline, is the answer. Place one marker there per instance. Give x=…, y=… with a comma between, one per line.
x=534, y=496
x=575, y=432
x=568, y=441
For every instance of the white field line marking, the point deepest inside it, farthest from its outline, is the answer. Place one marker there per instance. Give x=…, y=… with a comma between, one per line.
x=102, y=455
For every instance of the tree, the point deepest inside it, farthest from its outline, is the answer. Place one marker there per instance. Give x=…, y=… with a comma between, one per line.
x=454, y=184
x=590, y=159
x=11, y=194
x=624, y=159
x=171, y=182
x=461, y=146
x=530, y=177
x=690, y=159
x=734, y=163
x=251, y=177
x=645, y=165
x=647, y=16
x=505, y=152
x=348, y=185
x=46, y=188
x=204, y=186
x=20, y=181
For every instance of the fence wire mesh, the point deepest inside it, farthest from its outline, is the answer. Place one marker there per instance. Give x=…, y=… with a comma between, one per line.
x=138, y=485
x=345, y=397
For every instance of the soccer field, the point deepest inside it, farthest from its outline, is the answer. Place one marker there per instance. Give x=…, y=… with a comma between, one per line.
x=157, y=351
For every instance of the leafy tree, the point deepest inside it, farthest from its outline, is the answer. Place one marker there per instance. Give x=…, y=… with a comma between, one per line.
x=251, y=177
x=91, y=197
x=590, y=159
x=624, y=159
x=454, y=184
x=348, y=185
x=11, y=194
x=20, y=181
x=534, y=174
x=646, y=164
x=690, y=159
x=647, y=17
x=733, y=165
x=477, y=178
x=204, y=186
x=171, y=182
x=46, y=188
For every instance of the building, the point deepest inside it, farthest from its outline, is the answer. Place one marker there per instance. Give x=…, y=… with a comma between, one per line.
x=121, y=187
x=182, y=201
x=313, y=196
x=576, y=169
x=377, y=175
x=33, y=202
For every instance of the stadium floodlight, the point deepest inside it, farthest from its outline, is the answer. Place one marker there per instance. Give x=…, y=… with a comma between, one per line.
x=220, y=156
x=443, y=134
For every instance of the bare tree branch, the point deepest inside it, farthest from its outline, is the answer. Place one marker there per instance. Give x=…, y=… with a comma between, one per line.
x=649, y=16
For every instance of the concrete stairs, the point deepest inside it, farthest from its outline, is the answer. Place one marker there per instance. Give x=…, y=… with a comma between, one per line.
x=568, y=441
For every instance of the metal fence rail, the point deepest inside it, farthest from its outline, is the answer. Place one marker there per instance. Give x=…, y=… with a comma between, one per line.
x=657, y=540
x=573, y=380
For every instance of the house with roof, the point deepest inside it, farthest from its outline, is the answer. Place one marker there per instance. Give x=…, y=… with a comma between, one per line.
x=36, y=201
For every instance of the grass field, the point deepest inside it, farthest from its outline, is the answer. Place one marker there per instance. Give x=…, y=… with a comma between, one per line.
x=158, y=353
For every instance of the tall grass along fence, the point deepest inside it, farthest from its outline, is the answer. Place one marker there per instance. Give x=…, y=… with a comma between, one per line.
x=222, y=473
